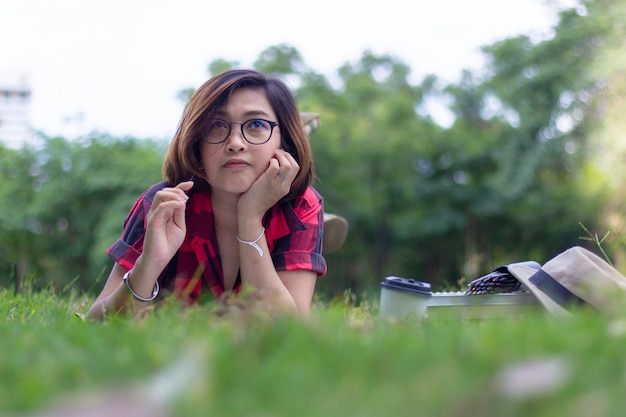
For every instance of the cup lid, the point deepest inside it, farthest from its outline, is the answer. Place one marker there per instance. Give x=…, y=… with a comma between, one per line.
x=408, y=285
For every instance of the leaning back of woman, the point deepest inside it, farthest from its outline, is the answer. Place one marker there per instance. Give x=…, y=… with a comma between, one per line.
x=236, y=210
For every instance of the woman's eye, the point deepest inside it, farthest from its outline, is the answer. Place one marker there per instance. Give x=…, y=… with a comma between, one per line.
x=257, y=124
x=218, y=124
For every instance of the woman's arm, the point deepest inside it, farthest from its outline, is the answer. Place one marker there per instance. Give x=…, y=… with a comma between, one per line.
x=281, y=291
x=165, y=232
x=290, y=291
x=301, y=286
x=116, y=298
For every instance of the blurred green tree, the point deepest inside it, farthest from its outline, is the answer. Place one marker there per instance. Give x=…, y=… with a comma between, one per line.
x=66, y=201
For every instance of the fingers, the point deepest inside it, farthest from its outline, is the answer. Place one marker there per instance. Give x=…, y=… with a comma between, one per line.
x=166, y=227
x=185, y=186
x=270, y=187
x=178, y=193
x=287, y=167
x=181, y=189
x=179, y=217
x=169, y=203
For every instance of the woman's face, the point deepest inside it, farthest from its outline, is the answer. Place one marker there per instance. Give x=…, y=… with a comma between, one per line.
x=233, y=165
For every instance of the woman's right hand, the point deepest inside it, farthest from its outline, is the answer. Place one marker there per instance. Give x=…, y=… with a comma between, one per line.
x=166, y=228
x=165, y=232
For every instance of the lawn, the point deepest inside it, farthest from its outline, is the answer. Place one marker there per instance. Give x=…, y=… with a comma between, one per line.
x=344, y=361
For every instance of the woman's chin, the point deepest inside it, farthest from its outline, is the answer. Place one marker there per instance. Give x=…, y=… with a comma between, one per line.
x=236, y=188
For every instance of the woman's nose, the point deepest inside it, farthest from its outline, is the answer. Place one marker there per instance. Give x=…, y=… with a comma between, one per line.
x=236, y=140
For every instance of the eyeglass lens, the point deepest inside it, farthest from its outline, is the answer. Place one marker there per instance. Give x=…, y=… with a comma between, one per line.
x=255, y=131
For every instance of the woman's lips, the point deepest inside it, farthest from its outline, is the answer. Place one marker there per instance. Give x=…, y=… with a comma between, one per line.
x=236, y=163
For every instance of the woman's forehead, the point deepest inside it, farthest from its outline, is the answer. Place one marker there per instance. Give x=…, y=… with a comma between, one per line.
x=247, y=101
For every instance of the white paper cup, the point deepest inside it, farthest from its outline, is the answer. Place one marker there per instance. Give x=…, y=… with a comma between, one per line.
x=402, y=298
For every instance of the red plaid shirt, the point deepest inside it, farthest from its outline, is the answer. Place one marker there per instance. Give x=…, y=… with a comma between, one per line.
x=293, y=230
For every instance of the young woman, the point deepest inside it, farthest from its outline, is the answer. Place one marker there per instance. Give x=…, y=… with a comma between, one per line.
x=236, y=209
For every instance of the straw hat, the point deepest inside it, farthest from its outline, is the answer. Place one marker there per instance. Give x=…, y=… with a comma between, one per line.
x=310, y=122
x=335, y=226
x=335, y=232
x=576, y=277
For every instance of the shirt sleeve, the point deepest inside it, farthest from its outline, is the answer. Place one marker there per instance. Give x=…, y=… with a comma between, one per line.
x=129, y=246
x=301, y=248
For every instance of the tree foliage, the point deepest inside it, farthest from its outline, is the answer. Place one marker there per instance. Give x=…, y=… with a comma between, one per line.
x=64, y=203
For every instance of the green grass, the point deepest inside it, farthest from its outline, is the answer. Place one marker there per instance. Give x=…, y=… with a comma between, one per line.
x=342, y=362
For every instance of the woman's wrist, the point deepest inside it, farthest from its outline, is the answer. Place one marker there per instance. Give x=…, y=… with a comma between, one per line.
x=155, y=289
x=141, y=279
x=248, y=228
x=250, y=232
x=253, y=243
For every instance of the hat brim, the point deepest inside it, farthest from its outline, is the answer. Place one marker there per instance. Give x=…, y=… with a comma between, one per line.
x=308, y=117
x=335, y=232
x=523, y=273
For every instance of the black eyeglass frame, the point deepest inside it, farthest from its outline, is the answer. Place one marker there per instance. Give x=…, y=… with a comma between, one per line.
x=243, y=135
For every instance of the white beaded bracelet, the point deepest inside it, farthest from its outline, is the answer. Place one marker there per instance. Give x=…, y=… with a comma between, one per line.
x=138, y=297
x=253, y=243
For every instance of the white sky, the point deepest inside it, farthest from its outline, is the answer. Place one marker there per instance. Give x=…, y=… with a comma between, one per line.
x=120, y=63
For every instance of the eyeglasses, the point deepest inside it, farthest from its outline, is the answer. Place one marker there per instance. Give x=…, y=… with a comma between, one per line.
x=254, y=131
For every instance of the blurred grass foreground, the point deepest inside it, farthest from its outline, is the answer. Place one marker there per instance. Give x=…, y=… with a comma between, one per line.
x=344, y=361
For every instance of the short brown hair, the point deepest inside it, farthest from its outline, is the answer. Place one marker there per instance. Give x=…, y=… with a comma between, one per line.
x=183, y=159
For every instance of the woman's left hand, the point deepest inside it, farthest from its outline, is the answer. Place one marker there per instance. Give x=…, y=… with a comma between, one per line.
x=271, y=186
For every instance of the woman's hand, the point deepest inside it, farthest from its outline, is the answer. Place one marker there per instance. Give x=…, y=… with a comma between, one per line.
x=271, y=186
x=166, y=228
